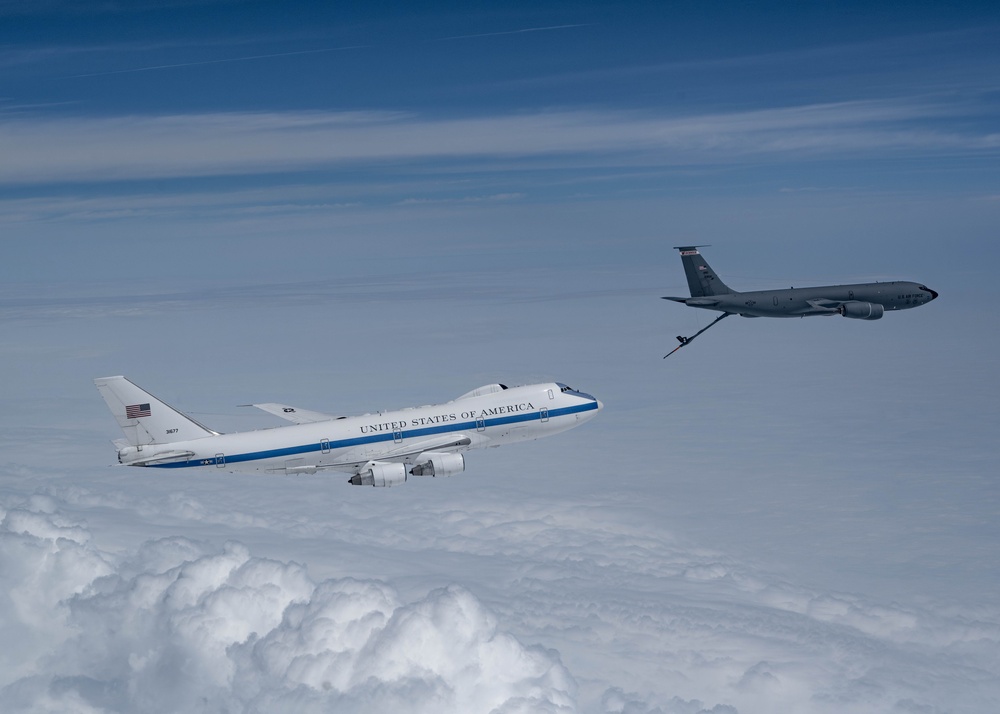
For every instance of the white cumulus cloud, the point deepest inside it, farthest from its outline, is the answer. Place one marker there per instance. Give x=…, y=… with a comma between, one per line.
x=176, y=626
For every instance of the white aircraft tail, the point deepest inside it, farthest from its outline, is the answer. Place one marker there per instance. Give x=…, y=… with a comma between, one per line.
x=144, y=418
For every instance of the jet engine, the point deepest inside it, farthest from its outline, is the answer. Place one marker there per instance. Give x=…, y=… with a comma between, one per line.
x=438, y=464
x=377, y=473
x=857, y=310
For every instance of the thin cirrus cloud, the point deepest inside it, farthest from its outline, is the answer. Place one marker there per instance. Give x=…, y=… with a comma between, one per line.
x=950, y=54
x=522, y=31
x=130, y=147
x=224, y=60
x=316, y=51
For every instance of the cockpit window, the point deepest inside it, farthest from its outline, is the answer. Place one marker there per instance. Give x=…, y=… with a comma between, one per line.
x=566, y=389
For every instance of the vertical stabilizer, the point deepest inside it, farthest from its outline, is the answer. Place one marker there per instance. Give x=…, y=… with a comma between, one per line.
x=144, y=418
x=702, y=280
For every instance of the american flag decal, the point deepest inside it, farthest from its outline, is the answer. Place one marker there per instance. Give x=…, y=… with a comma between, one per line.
x=134, y=411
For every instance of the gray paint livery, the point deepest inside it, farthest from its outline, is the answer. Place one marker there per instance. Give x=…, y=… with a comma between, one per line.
x=861, y=301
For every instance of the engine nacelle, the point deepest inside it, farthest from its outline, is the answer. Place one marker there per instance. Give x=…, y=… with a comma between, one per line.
x=858, y=310
x=376, y=473
x=438, y=464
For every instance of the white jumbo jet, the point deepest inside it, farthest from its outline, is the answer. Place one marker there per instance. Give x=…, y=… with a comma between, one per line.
x=380, y=449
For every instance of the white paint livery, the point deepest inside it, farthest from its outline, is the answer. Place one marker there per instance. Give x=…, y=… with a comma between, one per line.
x=381, y=449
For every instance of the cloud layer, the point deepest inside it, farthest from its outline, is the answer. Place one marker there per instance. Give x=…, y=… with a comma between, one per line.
x=631, y=620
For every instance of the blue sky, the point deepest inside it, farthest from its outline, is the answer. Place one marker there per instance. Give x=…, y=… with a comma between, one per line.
x=238, y=127
x=373, y=206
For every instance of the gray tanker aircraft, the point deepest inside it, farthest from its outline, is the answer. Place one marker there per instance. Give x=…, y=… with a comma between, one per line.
x=381, y=449
x=864, y=301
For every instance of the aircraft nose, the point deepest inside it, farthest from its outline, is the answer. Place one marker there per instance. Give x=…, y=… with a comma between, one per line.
x=932, y=292
x=591, y=412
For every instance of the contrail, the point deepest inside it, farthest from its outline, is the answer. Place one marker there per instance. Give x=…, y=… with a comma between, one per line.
x=219, y=61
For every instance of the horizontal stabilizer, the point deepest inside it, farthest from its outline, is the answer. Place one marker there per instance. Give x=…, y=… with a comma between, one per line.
x=163, y=457
x=695, y=302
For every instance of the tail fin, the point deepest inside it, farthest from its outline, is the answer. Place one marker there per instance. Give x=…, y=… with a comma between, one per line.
x=702, y=280
x=144, y=418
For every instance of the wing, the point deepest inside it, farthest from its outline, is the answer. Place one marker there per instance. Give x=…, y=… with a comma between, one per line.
x=403, y=452
x=824, y=306
x=294, y=414
x=482, y=391
x=351, y=461
x=445, y=442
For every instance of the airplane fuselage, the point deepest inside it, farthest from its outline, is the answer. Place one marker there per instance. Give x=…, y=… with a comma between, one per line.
x=821, y=300
x=503, y=417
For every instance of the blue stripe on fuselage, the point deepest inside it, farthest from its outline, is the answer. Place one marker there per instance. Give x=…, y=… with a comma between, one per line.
x=375, y=438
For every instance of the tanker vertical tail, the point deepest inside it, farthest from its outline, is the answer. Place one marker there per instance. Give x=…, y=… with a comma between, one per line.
x=702, y=280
